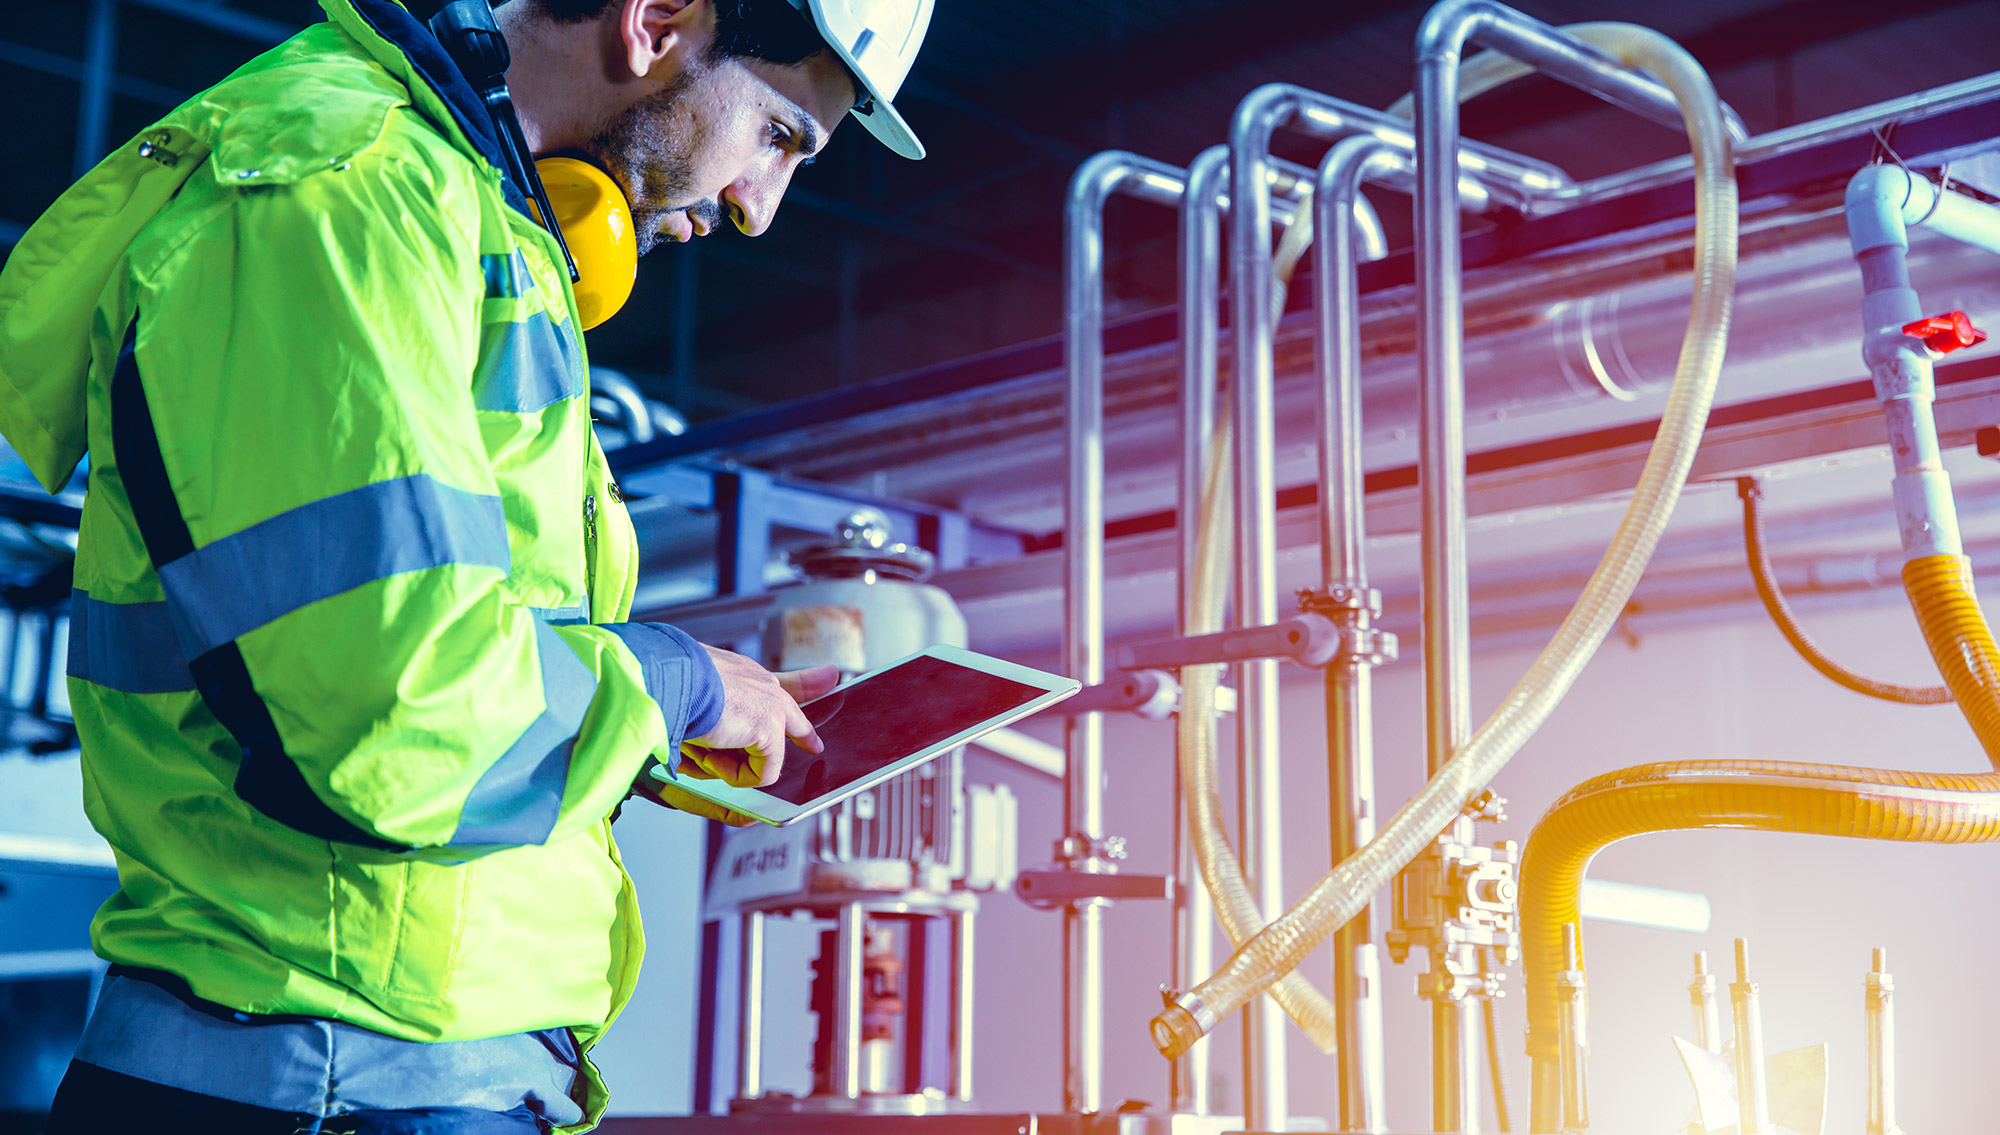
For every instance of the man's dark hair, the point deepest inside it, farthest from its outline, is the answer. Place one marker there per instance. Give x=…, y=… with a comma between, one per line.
x=770, y=30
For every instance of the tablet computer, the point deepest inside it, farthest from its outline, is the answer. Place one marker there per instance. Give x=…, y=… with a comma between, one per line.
x=886, y=722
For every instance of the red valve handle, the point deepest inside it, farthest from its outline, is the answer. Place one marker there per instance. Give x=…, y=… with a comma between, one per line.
x=1947, y=332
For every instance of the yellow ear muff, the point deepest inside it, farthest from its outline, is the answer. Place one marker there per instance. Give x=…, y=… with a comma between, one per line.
x=596, y=223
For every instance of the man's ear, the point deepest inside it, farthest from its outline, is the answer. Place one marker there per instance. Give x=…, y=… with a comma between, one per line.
x=650, y=31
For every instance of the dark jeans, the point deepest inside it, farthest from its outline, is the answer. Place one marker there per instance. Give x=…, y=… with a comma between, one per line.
x=96, y=1101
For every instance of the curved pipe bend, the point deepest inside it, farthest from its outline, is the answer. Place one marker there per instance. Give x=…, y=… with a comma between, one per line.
x=1778, y=796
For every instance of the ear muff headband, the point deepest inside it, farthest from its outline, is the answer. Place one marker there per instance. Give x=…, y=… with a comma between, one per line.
x=577, y=202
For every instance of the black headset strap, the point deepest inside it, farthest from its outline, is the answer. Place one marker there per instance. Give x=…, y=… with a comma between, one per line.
x=471, y=39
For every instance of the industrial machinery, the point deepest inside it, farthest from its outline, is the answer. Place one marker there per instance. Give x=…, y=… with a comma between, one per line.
x=884, y=886
x=1565, y=296
x=1545, y=340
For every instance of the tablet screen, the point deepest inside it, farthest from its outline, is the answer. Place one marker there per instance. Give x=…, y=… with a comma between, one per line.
x=889, y=716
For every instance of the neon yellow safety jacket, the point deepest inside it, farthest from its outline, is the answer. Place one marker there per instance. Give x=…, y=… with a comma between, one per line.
x=346, y=720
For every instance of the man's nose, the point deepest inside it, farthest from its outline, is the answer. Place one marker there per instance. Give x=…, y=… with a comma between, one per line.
x=753, y=204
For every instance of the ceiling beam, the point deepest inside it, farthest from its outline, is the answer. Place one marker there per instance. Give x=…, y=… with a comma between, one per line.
x=218, y=17
x=63, y=67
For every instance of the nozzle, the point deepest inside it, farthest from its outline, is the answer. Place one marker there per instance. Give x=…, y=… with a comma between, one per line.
x=1742, y=962
x=1184, y=1021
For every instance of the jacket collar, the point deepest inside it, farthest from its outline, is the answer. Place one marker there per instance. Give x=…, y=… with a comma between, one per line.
x=405, y=46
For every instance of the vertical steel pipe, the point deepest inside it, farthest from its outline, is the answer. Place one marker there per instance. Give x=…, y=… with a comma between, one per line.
x=1083, y=629
x=1200, y=318
x=1344, y=570
x=1257, y=117
x=1572, y=1039
x=962, y=940
x=1441, y=41
x=1882, y=1048
x=750, y=1010
x=850, y=945
x=1753, y=1098
x=1707, y=1017
x=1252, y=385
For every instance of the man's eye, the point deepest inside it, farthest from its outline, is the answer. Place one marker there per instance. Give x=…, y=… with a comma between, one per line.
x=781, y=135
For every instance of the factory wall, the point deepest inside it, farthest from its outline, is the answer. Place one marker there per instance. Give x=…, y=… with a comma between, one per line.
x=1811, y=908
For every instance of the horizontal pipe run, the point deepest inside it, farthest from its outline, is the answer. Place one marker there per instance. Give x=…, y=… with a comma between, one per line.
x=1542, y=47
x=1308, y=639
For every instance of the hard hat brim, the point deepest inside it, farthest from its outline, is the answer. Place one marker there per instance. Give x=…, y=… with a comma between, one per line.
x=889, y=128
x=881, y=119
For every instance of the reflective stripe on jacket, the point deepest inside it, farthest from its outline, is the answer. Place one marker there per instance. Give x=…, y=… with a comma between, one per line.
x=369, y=400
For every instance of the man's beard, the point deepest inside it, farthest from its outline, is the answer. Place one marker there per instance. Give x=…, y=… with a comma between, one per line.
x=644, y=152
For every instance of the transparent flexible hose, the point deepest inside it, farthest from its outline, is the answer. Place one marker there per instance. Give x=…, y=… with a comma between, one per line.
x=1788, y=622
x=1283, y=945
x=1221, y=870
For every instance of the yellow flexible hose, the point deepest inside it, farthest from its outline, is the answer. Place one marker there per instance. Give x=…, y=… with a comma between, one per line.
x=1282, y=946
x=1940, y=589
x=1809, y=799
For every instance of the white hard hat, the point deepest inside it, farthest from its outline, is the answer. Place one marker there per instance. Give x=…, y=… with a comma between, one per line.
x=878, y=40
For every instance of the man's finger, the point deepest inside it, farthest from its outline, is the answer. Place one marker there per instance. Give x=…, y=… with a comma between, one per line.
x=812, y=682
x=801, y=730
x=766, y=761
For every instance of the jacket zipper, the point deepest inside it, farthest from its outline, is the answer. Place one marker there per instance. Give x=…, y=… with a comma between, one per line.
x=590, y=551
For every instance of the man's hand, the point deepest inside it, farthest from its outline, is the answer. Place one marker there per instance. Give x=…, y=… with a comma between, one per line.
x=672, y=796
x=759, y=710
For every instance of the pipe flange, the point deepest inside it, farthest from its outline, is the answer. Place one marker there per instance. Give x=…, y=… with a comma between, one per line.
x=1370, y=645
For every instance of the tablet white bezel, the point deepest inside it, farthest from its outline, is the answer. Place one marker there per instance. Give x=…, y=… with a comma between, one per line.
x=768, y=809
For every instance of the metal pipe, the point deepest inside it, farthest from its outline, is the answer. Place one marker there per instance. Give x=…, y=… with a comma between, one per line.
x=1441, y=40
x=1778, y=143
x=1454, y=1065
x=1753, y=1100
x=961, y=1005
x=1344, y=569
x=1882, y=1048
x=1441, y=473
x=1256, y=119
x=850, y=939
x=1252, y=384
x=750, y=1010
x=1200, y=317
x=1083, y=631
x=1572, y=1039
x=1707, y=1017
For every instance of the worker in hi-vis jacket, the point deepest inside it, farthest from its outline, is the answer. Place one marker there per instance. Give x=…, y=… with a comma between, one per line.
x=349, y=655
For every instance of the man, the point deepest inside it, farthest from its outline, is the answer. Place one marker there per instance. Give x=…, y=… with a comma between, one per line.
x=349, y=656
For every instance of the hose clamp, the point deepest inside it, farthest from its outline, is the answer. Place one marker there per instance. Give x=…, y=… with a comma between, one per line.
x=1204, y=1017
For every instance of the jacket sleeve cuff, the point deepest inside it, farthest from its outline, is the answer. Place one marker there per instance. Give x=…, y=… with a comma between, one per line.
x=680, y=678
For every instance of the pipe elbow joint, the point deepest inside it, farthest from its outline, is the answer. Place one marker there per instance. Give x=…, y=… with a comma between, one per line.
x=1448, y=26
x=1878, y=203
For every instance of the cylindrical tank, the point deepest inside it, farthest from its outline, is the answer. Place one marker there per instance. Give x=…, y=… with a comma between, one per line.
x=863, y=602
